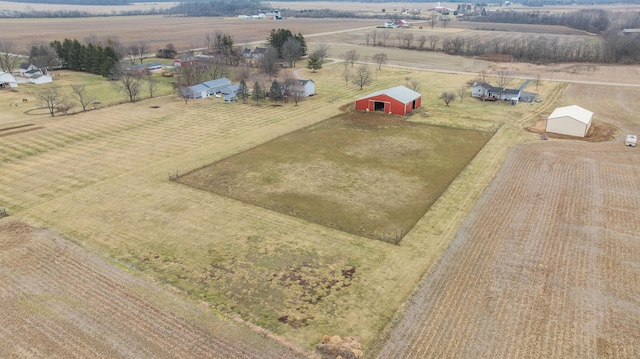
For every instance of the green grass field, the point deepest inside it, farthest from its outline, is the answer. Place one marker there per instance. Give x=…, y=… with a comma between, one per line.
x=101, y=179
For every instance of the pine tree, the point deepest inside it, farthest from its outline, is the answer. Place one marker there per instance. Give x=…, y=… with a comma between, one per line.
x=257, y=93
x=314, y=63
x=243, y=91
x=275, y=92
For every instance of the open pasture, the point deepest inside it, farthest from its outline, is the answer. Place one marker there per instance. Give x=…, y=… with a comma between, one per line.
x=101, y=179
x=363, y=173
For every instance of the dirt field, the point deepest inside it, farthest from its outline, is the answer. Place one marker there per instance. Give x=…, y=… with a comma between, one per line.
x=546, y=265
x=58, y=300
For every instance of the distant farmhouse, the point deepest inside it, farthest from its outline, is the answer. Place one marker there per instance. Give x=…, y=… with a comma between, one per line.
x=29, y=73
x=487, y=92
x=397, y=100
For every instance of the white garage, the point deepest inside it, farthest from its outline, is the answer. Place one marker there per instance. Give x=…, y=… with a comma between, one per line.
x=570, y=120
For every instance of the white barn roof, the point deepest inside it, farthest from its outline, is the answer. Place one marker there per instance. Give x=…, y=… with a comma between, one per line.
x=574, y=111
x=400, y=93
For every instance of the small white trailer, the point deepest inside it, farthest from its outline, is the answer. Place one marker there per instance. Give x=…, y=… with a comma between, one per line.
x=632, y=140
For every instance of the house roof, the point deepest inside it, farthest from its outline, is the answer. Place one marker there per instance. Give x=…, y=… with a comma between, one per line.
x=304, y=82
x=217, y=82
x=7, y=77
x=574, y=111
x=24, y=66
x=504, y=91
x=198, y=88
x=400, y=93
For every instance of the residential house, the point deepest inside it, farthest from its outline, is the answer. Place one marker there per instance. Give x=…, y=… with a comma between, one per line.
x=7, y=80
x=188, y=61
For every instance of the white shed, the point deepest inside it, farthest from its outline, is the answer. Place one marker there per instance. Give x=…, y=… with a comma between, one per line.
x=7, y=80
x=570, y=120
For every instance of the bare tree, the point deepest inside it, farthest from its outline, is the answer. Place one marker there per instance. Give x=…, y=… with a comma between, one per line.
x=138, y=51
x=9, y=58
x=362, y=76
x=51, y=98
x=190, y=75
x=462, y=93
x=346, y=74
x=297, y=93
x=503, y=81
x=43, y=56
x=447, y=97
x=292, y=51
x=351, y=56
x=374, y=37
x=81, y=95
x=432, y=20
x=445, y=22
x=538, y=79
x=407, y=39
x=433, y=42
x=367, y=38
x=385, y=36
x=64, y=106
x=152, y=85
x=421, y=41
x=321, y=51
x=127, y=82
x=269, y=61
x=415, y=85
x=380, y=58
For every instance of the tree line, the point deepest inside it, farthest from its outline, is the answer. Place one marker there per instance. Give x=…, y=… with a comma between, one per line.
x=92, y=58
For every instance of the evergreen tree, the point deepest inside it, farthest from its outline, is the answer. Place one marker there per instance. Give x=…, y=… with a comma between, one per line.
x=275, y=92
x=243, y=91
x=314, y=63
x=257, y=93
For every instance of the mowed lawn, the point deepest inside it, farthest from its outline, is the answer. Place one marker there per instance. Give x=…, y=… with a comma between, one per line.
x=101, y=179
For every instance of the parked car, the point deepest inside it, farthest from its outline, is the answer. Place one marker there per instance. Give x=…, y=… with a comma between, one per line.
x=632, y=140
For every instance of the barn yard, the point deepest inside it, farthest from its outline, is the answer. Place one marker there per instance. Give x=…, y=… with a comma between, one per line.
x=100, y=180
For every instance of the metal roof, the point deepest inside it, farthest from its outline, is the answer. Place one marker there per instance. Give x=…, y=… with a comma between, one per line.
x=574, y=111
x=400, y=93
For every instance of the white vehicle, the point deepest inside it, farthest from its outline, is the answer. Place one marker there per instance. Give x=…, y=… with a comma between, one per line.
x=632, y=140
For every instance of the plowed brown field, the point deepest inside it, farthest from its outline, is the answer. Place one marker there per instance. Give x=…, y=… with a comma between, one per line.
x=545, y=266
x=59, y=301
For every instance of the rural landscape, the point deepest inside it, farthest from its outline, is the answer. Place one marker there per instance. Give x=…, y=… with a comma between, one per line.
x=145, y=214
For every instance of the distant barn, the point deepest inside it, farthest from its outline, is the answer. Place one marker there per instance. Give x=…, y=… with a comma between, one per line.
x=570, y=120
x=397, y=100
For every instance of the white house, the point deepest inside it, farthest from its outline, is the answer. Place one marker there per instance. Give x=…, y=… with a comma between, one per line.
x=570, y=120
x=40, y=79
x=7, y=80
x=308, y=86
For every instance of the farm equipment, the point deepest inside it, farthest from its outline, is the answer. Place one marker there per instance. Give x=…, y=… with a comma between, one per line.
x=631, y=140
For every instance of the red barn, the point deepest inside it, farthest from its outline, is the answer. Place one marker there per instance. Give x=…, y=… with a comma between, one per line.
x=397, y=100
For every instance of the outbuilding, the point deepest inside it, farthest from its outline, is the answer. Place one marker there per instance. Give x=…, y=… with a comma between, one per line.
x=397, y=100
x=570, y=120
x=7, y=80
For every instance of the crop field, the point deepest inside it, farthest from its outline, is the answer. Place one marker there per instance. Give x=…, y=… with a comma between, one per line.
x=58, y=300
x=546, y=264
x=362, y=173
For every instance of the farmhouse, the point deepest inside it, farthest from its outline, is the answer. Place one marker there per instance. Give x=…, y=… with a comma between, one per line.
x=189, y=61
x=483, y=90
x=7, y=80
x=308, y=87
x=570, y=120
x=27, y=69
x=397, y=100
x=40, y=79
